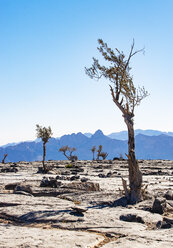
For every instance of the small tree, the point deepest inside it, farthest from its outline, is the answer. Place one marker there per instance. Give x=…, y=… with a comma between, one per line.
x=64, y=150
x=103, y=155
x=70, y=150
x=5, y=155
x=126, y=97
x=99, y=151
x=45, y=134
x=93, y=149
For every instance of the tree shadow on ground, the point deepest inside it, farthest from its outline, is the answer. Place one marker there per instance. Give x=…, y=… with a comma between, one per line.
x=120, y=202
x=45, y=217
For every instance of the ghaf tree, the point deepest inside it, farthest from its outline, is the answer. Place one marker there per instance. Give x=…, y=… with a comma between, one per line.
x=126, y=97
x=70, y=150
x=45, y=134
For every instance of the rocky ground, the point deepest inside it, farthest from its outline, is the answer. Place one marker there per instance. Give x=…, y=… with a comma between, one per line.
x=82, y=205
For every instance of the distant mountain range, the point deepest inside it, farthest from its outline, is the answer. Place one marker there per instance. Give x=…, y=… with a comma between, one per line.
x=123, y=135
x=150, y=144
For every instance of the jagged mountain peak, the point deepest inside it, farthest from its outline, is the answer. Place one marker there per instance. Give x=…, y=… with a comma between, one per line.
x=98, y=133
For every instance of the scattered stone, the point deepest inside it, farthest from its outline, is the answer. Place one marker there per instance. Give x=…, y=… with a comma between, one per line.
x=168, y=220
x=159, y=205
x=101, y=175
x=84, y=179
x=116, y=158
x=77, y=169
x=61, y=177
x=41, y=170
x=74, y=172
x=65, y=173
x=109, y=174
x=132, y=218
x=9, y=169
x=49, y=182
x=15, y=165
x=169, y=195
x=163, y=225
x=23, y=188
x=11, y=186
x=53, y=211
x=74, y=178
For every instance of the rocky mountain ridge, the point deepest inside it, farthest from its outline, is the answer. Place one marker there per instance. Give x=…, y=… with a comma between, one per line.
x=147, y=147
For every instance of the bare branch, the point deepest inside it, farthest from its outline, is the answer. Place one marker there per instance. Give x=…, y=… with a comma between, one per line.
x=118, y=74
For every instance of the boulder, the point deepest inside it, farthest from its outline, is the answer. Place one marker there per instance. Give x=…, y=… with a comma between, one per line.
x=9, y=169
x=101, y=175
x=11, y=186
x=109, y=174
x=159, y=205
x=49, y=182
x=165, y=224
x=132, y=218
x=74, y=178
x=84, y=179
x=169, y=195
x=23, y=188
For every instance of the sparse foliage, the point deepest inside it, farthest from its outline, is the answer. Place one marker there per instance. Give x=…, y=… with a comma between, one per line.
x=99, y=151
x=93, y=149
x=126, y=97
x=103, y=155
x=45, y=134
x=67, y=151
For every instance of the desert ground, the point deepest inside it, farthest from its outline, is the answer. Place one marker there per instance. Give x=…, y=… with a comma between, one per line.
x=82, y=204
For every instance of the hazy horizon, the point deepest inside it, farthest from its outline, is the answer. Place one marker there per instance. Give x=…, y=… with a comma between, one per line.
x=45, y=46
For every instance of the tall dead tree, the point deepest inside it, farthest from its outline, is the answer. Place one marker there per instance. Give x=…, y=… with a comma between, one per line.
x=126, y=97
x=45, y=134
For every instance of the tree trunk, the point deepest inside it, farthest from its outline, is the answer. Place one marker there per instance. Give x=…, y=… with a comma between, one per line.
x=66, y=155
x=93, y=156
x=135, y=175
x=44, y=155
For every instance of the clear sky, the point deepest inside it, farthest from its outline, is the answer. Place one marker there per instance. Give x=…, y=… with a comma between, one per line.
x=44, y=47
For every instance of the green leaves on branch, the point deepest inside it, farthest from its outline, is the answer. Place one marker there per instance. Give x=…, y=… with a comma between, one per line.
x=44, y=133
x=124, y=93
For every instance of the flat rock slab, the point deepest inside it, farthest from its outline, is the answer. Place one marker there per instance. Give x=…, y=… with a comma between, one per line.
x=83, y=214
x=137, y=243
x=30, y=237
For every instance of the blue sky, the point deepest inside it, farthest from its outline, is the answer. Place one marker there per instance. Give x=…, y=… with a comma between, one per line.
x=44, y=47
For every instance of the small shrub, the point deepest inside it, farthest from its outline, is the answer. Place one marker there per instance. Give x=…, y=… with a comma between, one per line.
x=68, y=166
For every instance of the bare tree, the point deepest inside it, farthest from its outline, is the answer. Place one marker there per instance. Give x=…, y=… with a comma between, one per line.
x=64, y=150
x=45, y=134
x=103, y=155
x=126, y=97
x=93, y=149
x=70, y=150
x=3, y=161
